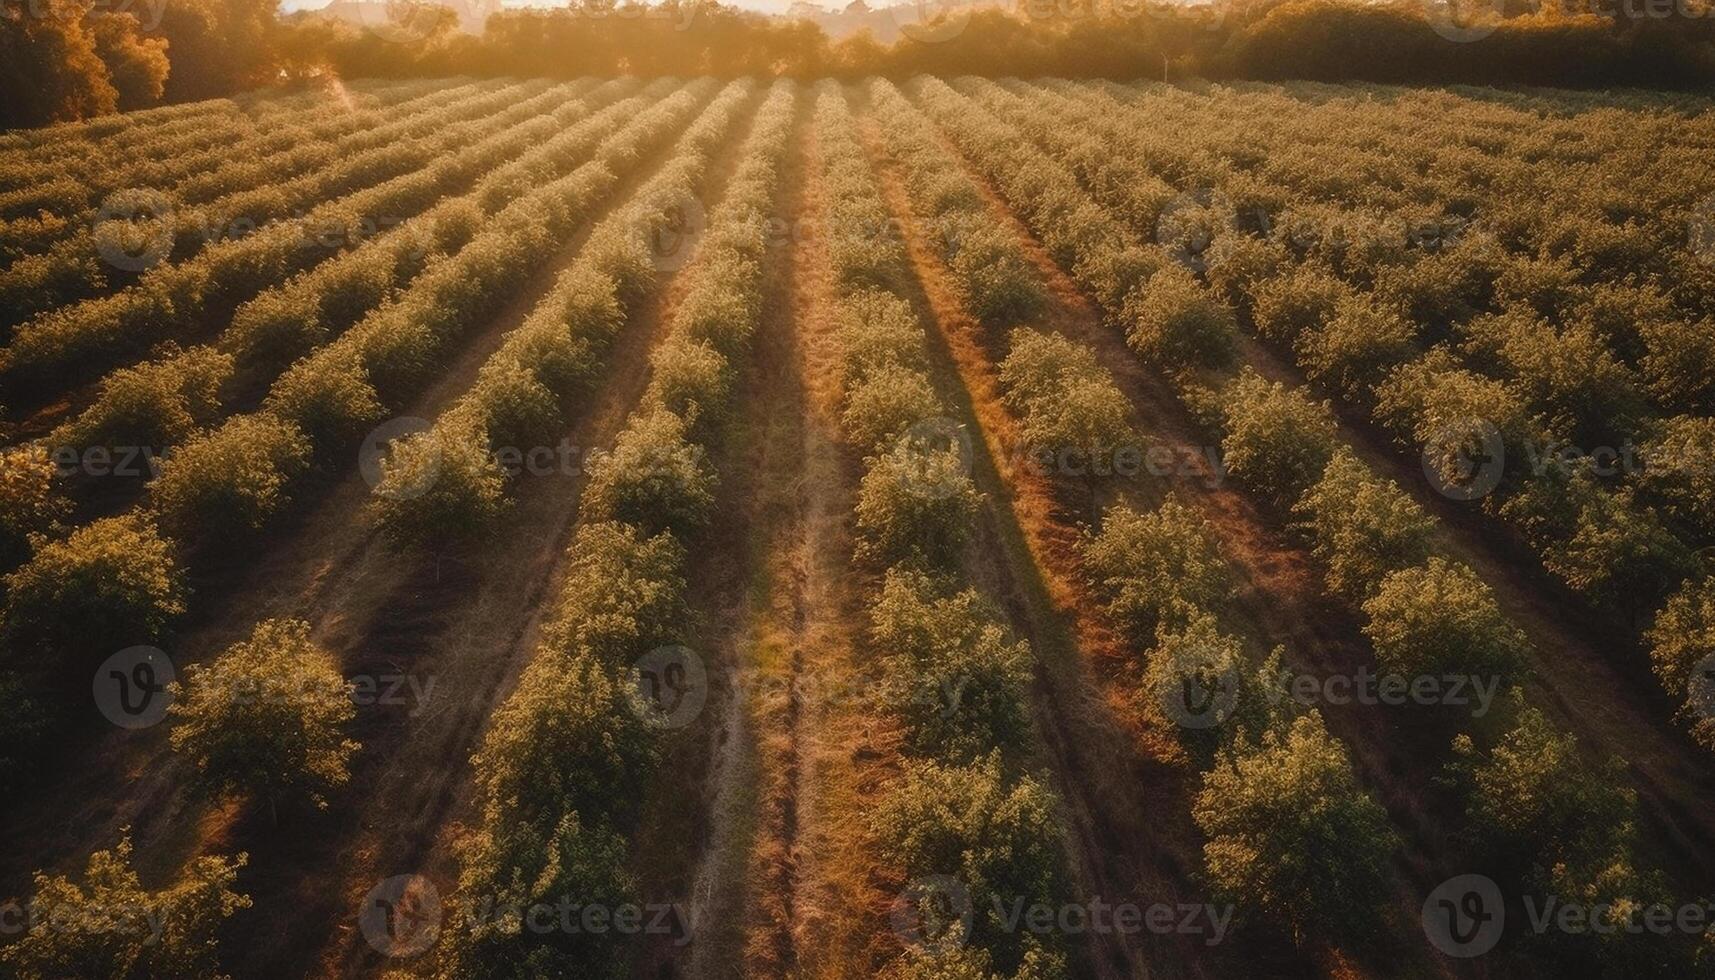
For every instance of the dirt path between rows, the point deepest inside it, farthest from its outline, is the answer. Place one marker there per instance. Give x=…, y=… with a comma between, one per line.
x=458, y=622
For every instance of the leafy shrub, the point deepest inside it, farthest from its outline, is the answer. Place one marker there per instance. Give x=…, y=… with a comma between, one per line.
x=1266, y=810
x=1439, y=617
x=1682, y=644
x=996, y=837
x=155, y=405
x=885, y=405
x=878, y=330
x=28, y=504
x=1175, y=323
x=1239, y=264
x=1362, y=526
x=438, y=485
x=225, y=484
x=565, y=740
x=1354, y=348
x=958, y=679
x=652, y=477
x=1153, y=570
x=1296, y=302
x=113, y=583
x=1277, y=441
x=1569, y=376
x=517, y=409
x=1677, y=474
x=1114, y=275
x=329, y=398
x=1675, y=365
x=915, y=503
x=266, y=717
x=623, y=595
x=1188, y=663
x=190, y=913
x=1000, y=287
x=693, y=381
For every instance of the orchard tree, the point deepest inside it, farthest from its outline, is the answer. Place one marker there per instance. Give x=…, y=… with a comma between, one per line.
x=266, y=718
x=653, y=477
x=1439, y=616
x=1291, y=834
x=1152, y=569
x=886, y=405
x=1362, y=526
x=1677, y=473
x=1296, y=302
x=113, y=583
x=223, y=486
x=915, y=503
x=957, y=677
x=1354, y=348
x=109, y=927
x=439, y=485
x=623, y=595
x=1277, y=441
x=1175, y=323
x=995, y=835
x=28, y=503
x=1682, y=649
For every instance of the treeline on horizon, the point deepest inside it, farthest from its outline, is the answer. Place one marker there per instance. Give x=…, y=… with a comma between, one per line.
x=69, y=59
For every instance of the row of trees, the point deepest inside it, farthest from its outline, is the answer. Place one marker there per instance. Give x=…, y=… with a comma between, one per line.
x=75, y=59
x=967, y=812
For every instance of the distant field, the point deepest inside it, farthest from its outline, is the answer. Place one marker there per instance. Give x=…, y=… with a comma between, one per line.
x=949, y=529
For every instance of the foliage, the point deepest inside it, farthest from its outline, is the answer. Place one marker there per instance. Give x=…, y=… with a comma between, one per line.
x=957, y=678
x=1152, y=570
x=28, y=503
x=265, y=718
x=1175, y=323
x=1362, y=527
x=222, y=486
x=120, y=929
x=1682, y=648
x=1277, y=441
x=623, y=594
x=1066, y=400
x=653, y=477
x=1291, y=834
x=1438, y=617
x=915, y=503
x=111, y=584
